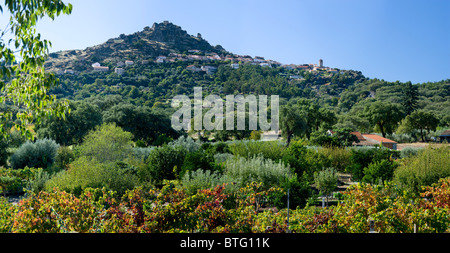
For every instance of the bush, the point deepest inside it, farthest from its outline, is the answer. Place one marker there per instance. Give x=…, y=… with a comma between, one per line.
x=409, y=151
x=197, y=160
x=200, y=179
x=379, y=171
x=40, y=154
x=430, y=165
x=87, y=172
x=4, y=154
x=107, y=143
x=257, y=169
x=339, y=158
x=273, y=150
x=304, y=161
x=186, y=143
x=361, y=158
x=64, y=157
x=164, y=163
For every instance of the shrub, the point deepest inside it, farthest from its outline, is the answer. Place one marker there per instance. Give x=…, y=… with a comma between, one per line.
x=201, y=179
x=197, y=160
x=379, y=171
x=257, y=169
x=4, y=154
x=326, y=181
x=87, y=172
x=409, y=151
x=273, y=150
x=339, y=158
x=186, y=143
x=164, y=163
x=304, y=161
x=40, y=154
x=107, y=143
x=360, y=158
x=424, y=169
x=142, y=153
x=64, y=157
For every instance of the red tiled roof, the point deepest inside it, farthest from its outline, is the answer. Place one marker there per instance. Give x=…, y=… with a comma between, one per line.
x=377, y=138
x=358, y=135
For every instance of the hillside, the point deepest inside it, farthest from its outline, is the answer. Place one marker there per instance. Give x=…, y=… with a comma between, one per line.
x=160, y=39
x=152, y=66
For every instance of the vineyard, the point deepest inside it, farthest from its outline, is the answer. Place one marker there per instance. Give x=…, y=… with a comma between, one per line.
x=248, y=194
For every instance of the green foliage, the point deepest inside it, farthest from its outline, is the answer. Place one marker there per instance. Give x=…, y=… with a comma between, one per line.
x=164, y=163
x=431, y=164
x=379, y=171
x=200, y=179
x=326, y=181
x=83, y=118
x=410, y=98
x=361, y=158
x=64, y=157
x=422, y=120
x=410, y=151
x=15, y=181
x=40, y=154
x=87, y=172
x=145, y=124
x=108, y=143
x=23, y=78
x=197, y=160
x=384, y=116
x=256, y=169
x=4, y=154
x=273, y=150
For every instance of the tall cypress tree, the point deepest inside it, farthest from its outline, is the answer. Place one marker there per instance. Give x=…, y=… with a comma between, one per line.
x=409, y=97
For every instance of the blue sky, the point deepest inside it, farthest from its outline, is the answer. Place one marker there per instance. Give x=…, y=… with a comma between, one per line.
x=391, y=40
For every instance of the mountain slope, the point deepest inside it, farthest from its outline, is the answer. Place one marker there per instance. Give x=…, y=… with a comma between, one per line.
x=160, y=39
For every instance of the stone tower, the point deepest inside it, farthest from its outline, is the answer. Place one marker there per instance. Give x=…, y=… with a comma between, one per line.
x=321, y=63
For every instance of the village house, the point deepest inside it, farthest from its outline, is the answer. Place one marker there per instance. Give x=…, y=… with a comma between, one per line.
x=129, y=63
x=161, y=59
x=119, y=71
x=101, y=68
x=209, y=69
x=235, y=65
x=374, y=140
x=193, y=68
x=444, y=136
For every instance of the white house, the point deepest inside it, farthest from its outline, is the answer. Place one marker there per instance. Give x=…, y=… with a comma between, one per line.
x=161, y=59
x=209, y=69
x=101, y=69
x=129, y=63
x=119, y=71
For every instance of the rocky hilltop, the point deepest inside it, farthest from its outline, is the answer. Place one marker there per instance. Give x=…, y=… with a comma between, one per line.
x=160, y=39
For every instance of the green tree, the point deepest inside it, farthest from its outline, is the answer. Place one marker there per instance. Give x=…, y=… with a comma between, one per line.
x=107, y=143
x=384, y=115
x=326, y=181
x=23, y=79
x=410, y=95
x=422, y=120
x=292, y=122
x=83, y=118
x=144, y=123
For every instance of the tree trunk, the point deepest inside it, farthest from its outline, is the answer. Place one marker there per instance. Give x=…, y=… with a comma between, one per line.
x=288, y=141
